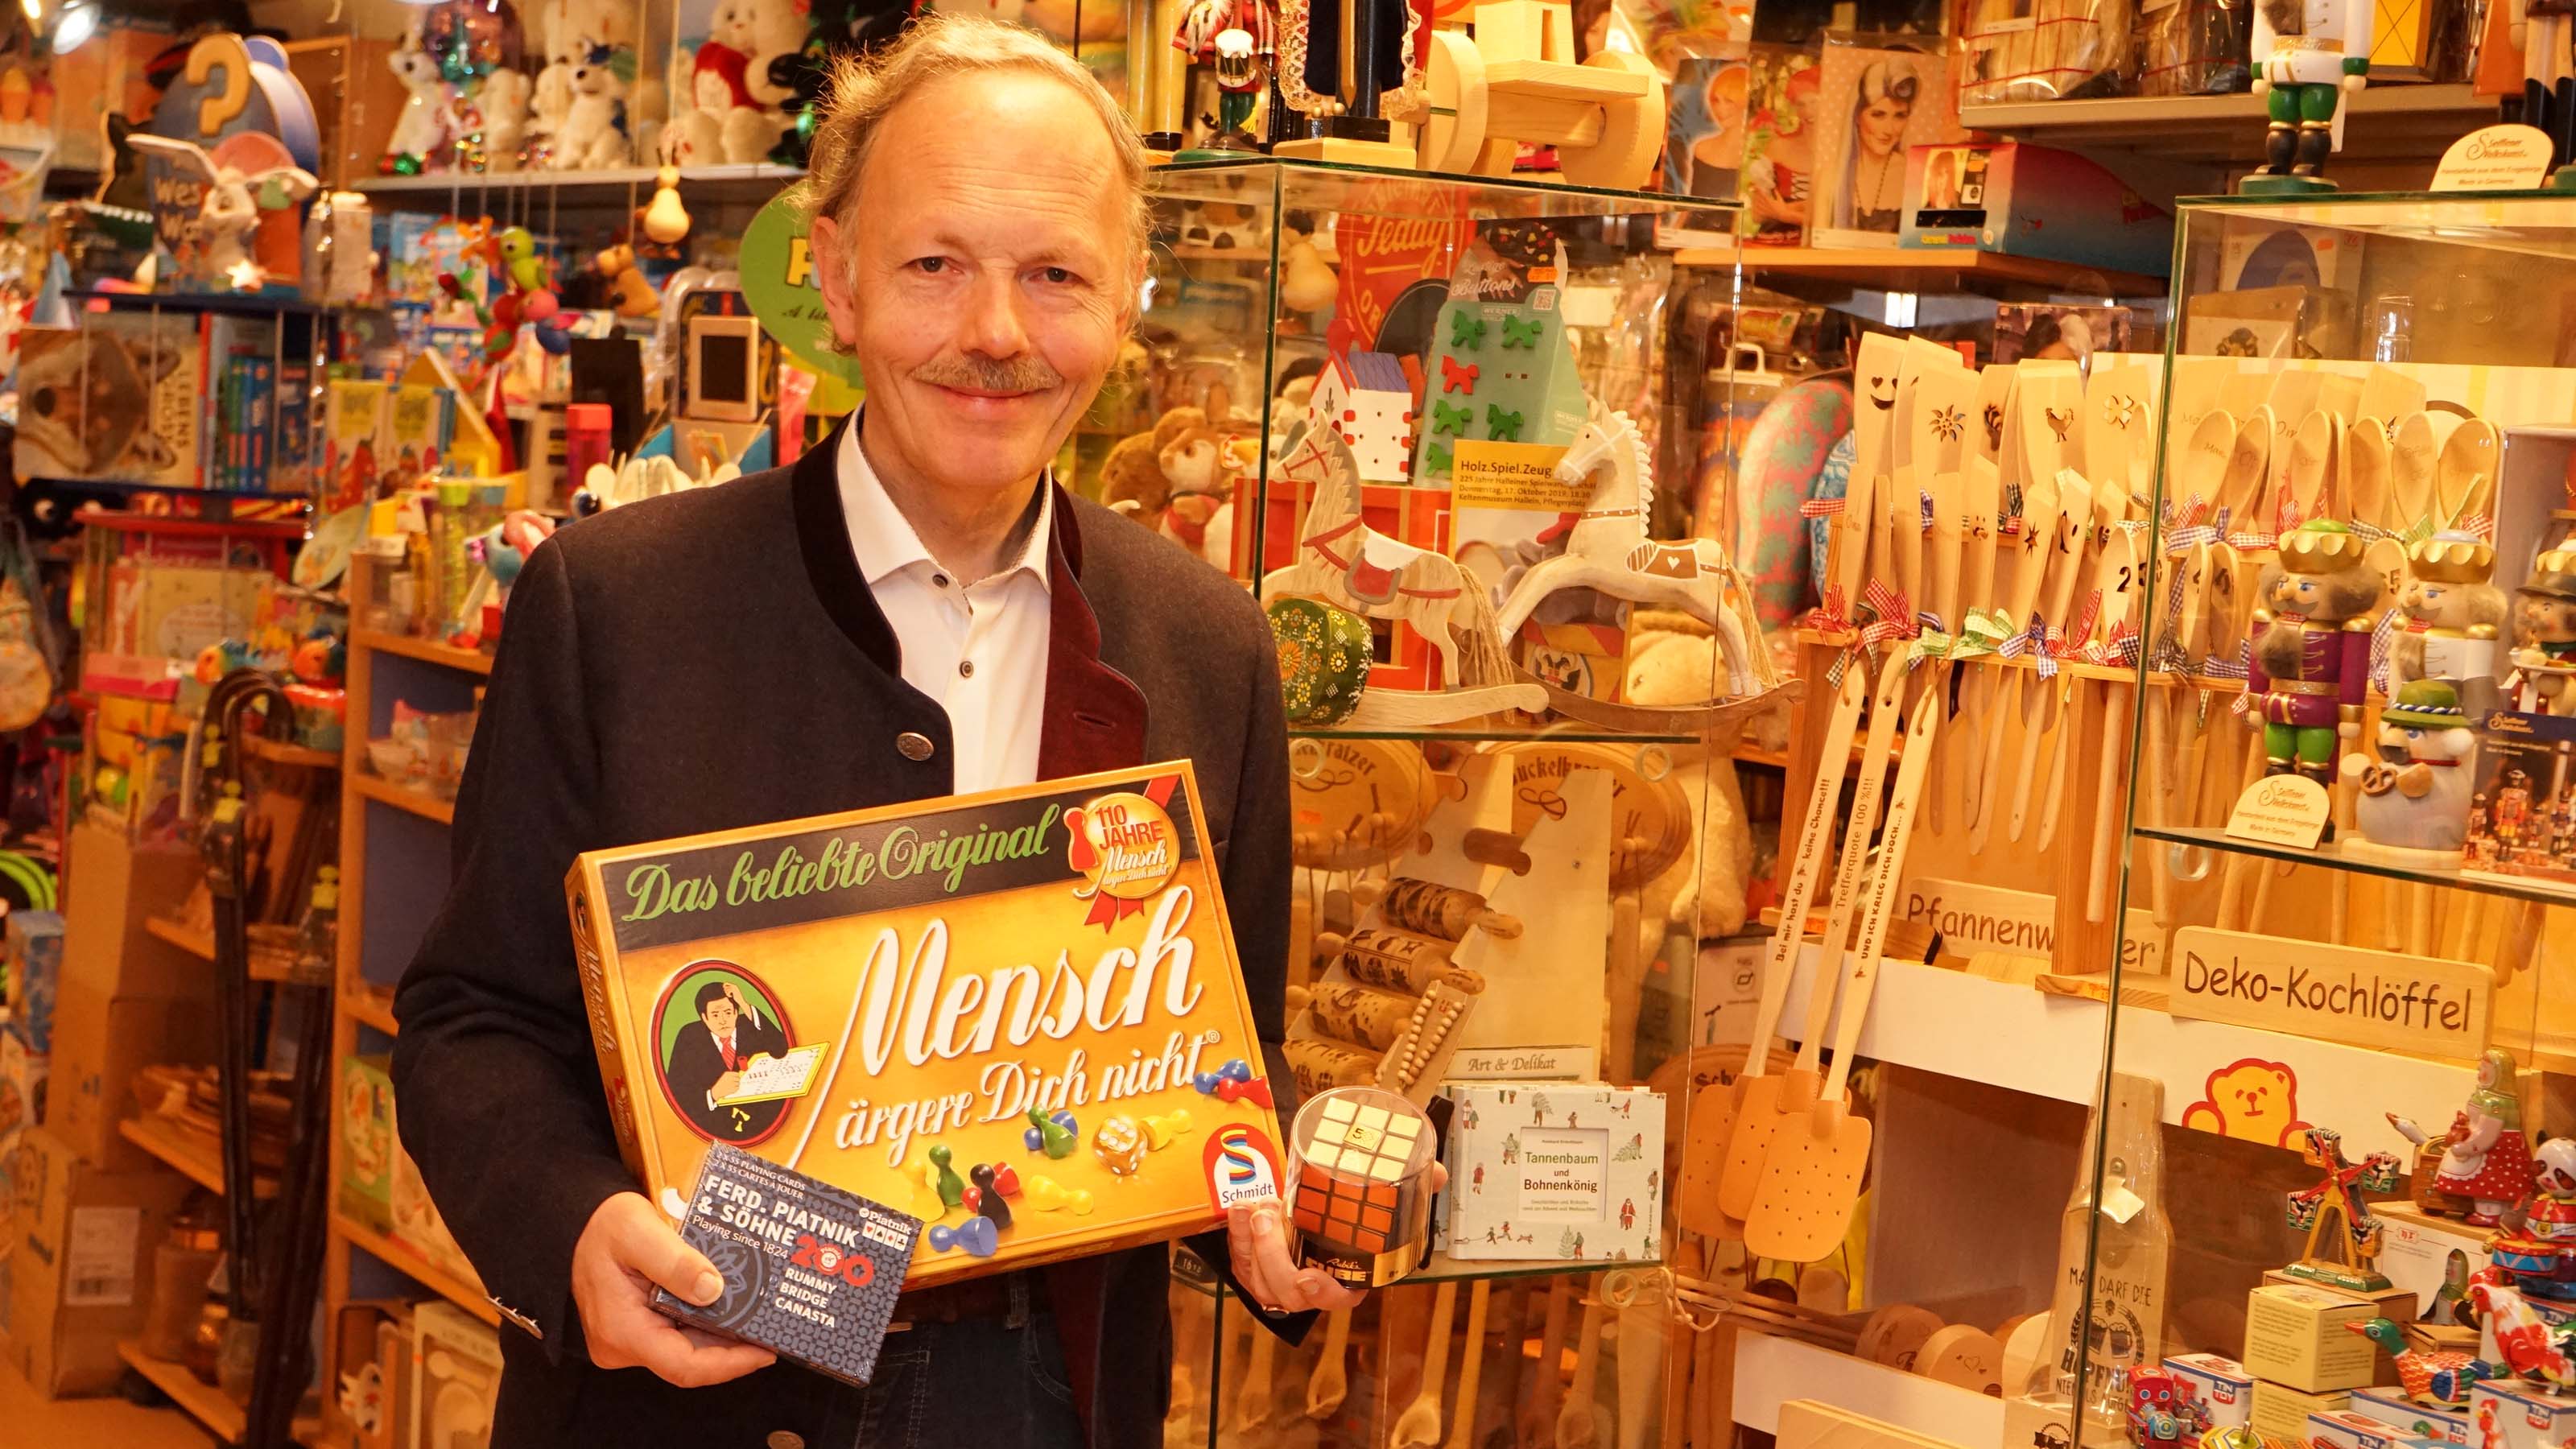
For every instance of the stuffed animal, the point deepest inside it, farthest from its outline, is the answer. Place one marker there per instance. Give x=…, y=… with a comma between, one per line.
x=504, y=103
x=627, y=284
x=593, y=134
x=85, y=409
x=1672, y=658
x=1132, y=481
x=549, y=106
x=420, y=136
x=774, y=40
x=229, y=213
x=1203, y=468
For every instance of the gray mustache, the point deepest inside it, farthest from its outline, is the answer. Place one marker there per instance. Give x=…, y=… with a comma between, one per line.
x=1017, y=374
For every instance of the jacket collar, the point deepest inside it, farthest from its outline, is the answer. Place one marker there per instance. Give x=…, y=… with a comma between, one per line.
x=1095, y=717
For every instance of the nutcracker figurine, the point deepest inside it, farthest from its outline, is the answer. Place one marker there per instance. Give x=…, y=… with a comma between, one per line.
x=1341, y=63
x=1241, y=41
x=2541, y=32
x=2309, y=55
x=2544, y=655
x=2454, y=615
x=2311, y=663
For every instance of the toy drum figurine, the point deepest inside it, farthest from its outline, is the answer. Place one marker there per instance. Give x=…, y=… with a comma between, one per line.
x=1363, y=1185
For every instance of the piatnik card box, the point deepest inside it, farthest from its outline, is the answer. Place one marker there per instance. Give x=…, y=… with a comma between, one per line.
x=1017, y=1016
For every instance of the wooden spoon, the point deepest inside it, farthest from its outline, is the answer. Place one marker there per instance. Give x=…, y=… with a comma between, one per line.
x=1547, y=1387
x=1252, y=1401
x=2414, y=459
x=1418, y=1427
x=2313, y=450
x=2366, y=481
x=2465, y=477
x=2039, y=696
x=1330, y=1383
x=1462, y=1427
x=1578, y=1424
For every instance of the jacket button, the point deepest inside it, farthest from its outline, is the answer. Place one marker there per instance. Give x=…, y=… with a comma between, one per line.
x=783, y=1439
x=914, y=745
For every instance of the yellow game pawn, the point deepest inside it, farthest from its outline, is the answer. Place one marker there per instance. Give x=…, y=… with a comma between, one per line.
x=1047, y=1195
x=1159, y=1131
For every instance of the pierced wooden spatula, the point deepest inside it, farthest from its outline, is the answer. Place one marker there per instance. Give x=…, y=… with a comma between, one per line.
x=2465, y=478
x=1772, y=1104
x=1715, y=1111
x=1811, y=1179
x=2366, y=478
x=2414, y=458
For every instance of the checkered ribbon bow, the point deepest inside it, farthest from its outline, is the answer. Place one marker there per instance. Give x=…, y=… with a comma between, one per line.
x=1820, y=508
x=1896, y=617
x=2034, y=642
x=1983, y=632
x=2480, y=526
x=2183, y=529
x=1834, y=613
x=2383, y=647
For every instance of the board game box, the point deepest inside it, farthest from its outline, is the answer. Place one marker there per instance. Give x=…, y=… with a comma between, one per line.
x=1017, y=1016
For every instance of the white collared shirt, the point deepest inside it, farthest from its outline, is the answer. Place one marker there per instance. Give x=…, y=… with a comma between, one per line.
x=979, y=649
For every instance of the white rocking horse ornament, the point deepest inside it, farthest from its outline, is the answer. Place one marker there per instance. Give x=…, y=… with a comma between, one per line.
x=1606, y=548
x=1347, y=564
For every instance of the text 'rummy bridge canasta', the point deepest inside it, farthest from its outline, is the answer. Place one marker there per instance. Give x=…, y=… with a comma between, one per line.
x=1017, y=1015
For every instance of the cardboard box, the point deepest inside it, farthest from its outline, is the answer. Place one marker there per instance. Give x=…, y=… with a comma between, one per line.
x=2031, y=201
x=367, y=1147
x=81, y=1263
x=2396, y=1304
x=2220, y=1386
x=35, y=975
x=2421, y=1253
x=2281, y=1412
x=2418, y=1421
x=2524, y=1417
x=22, y=1105
x=946, y=976
x=110, y=887
x=100, y=1042
x=2348, y=1429
x=2295, y=1336
x=1544, y=1170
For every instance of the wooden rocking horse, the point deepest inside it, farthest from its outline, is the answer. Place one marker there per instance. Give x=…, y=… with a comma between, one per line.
x=1606, y=549
x=1347, y=564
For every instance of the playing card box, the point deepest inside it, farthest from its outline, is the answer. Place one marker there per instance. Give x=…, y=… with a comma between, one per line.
x=1030, y=994
x=810, y=1272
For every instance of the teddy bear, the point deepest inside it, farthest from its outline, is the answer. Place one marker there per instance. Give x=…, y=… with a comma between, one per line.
x=1132, y=481
x=592, y=135
x=775, y=42
x=504, y=102
x=729, y=115
x=1202, y=467
x=1671, y=659
x=630, y=291
x=2250, y=1100
x=419, y=139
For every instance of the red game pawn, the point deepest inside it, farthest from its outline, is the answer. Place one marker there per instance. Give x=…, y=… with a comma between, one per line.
x=1256, y=1091
x=1006, y=1179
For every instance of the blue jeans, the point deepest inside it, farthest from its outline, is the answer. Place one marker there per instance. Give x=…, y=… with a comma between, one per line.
x=984, y=1383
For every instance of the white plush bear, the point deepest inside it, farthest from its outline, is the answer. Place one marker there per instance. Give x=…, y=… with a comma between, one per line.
x=504, y=103
x=549, y=106
x=777, y=32
x=421, y=130
x=593, y=135
x=721, y=109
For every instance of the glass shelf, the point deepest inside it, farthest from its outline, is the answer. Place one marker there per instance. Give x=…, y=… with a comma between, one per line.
x=2334, y=857
x=1337, y=186
x=1559, y=734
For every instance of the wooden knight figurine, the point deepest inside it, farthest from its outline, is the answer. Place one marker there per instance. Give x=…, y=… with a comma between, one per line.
x=2311, y=662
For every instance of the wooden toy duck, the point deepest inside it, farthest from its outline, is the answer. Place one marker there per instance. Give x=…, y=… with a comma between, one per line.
x=2430, y=1376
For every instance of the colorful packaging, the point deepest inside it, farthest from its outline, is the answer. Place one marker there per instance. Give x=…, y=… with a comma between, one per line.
x=366, y=1189
x=35, y=975
x=2220, y=1386
x=2031, y=201
x=2417, y=1421
x=2520, y=1416
x=931, y=1004
x=2523, y=801
x=2347, y=1429
x=113, y=400
x=1549, y=1170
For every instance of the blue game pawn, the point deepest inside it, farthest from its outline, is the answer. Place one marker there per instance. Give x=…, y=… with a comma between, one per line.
x=1206, y=1083
x=942, y=1237
x=1236, y=1069
x=991, y=1205
x=952, y=1188
x=979, y=1237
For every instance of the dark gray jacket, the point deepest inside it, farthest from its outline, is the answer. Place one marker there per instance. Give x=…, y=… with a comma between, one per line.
x=713, y=660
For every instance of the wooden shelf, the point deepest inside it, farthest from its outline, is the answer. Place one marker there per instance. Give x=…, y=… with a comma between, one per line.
x=195, y=1155
x=418, y=802
x=473, y=661
x=200, y=944
x=281, y=753
x=205, y=1403
x=464, y=1293
x=1924, y=269
x=751, y=180
x=369, y=1005
x=2389, y=122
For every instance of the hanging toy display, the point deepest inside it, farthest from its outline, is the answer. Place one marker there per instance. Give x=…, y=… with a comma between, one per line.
x=2310, y=58
x=480, y=54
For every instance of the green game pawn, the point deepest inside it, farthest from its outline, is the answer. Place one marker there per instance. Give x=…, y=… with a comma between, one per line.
x=952, y=1188
x=1057, y=1142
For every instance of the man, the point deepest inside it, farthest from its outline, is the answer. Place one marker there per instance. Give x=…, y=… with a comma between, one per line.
x=910, y=611
x=707, y=1058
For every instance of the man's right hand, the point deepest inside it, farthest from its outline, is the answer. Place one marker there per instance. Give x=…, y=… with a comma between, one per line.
x=628, y=1247
x=726, y=1086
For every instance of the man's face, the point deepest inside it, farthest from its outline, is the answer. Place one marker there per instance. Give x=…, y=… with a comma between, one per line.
x=719, y=1017
x=987, y=279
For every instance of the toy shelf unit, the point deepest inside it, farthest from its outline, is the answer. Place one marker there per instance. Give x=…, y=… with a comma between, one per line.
x=2342, y=774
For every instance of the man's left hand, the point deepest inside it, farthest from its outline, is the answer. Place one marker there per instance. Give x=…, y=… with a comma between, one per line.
x=1258, y=1236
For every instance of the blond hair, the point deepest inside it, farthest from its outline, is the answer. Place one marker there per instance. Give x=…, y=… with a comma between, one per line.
x=864, y=91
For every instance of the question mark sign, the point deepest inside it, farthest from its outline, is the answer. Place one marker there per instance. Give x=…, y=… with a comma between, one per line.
x=227, y=52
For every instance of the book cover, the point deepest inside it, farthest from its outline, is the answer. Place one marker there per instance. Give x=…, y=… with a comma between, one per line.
x=113, y=400
x=1016, y=1015
x=811, y=1273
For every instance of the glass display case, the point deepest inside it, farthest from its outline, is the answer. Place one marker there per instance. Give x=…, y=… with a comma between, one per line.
x=2344, y=759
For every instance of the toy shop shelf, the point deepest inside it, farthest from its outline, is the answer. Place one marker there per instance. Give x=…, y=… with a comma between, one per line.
x=418, y=802
x=200, y=944
x=194, y=1154
x=464, y=1294
x=369, y=1005
x=1770, y=1371
x=1444, y=1269
x=1569, y=733
x=2388, y=122
x=1918, y=269
x=250, y=304
x=278, y=752
x=2051, y=1045
x=748, y=182
x=2333, y=857
x=205, y=1403
x=1337, y=187
x=472, y=660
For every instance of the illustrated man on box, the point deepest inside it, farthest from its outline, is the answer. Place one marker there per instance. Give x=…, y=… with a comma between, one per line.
x=707, y=1061
x=914, y=609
